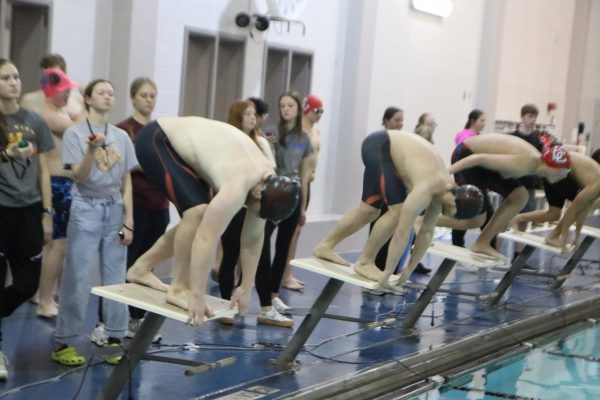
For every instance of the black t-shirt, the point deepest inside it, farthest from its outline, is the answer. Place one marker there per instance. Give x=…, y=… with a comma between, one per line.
x=561, y=191
x=530, y=181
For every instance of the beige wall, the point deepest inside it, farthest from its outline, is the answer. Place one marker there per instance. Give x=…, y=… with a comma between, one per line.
x=534, y=58
x=589, y=106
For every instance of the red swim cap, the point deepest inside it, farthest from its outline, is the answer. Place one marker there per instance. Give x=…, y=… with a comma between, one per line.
x=312, y=102
x=556, y=157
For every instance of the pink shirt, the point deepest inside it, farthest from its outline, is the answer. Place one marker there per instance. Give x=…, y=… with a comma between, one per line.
x=464, y=135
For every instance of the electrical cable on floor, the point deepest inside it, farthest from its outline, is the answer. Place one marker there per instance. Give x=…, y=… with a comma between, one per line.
x=45, y=381
x=85, y=371
x=333, y=358
x=341, y=361
x=171, y=348
x=380, y=321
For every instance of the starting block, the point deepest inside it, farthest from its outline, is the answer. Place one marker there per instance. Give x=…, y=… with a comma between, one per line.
x=451, y=255
x=153, y=301
x=533, y=242
x=338, y=275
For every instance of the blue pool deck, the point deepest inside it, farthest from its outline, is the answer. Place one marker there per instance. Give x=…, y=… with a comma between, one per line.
x=337, y=348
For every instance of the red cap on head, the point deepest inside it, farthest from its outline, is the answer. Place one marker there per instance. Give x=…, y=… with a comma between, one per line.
x=556, y=157
x=311, y=102
x=55, y=81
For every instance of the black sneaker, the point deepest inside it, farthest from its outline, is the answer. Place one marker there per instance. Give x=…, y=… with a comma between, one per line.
x=421, y=269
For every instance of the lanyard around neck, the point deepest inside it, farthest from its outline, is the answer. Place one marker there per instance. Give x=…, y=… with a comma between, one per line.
x=92, y=132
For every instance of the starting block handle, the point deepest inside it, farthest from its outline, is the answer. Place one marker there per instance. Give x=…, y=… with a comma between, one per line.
x=208, y=366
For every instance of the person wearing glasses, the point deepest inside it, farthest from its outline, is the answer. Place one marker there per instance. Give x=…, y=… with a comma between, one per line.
x=57, y=89
x=25, y=198
x=35, y=101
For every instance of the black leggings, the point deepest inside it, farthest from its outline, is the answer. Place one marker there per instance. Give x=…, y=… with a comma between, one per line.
x=21, y=242
x=270, y=274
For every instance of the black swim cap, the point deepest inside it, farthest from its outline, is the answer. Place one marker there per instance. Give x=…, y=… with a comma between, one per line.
x=469, y=201
x=278, y=198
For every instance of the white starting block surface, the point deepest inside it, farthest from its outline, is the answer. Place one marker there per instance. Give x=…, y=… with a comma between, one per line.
x=591, y=231
x=529, y=239
x=153, y=301
x=585, y=230
x=463, y=255
x=337, y=271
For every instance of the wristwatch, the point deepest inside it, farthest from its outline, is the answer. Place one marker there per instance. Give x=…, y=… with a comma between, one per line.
x=48, y=210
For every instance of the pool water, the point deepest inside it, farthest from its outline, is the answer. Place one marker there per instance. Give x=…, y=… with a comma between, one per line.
x=565, y=369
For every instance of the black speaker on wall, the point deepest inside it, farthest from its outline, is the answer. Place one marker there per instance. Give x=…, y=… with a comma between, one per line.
x=261, y=22
x=242, y=19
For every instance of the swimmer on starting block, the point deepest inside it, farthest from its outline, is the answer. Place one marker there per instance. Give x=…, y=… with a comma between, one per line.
x=191, y=158
x=494, y=162
x=404, y=171
x=581, y=187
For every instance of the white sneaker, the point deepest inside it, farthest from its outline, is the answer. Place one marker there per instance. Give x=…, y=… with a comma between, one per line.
x=98, y=336
x=272, y=317
x=134, y=325
x=3, y=364
x=279, y=305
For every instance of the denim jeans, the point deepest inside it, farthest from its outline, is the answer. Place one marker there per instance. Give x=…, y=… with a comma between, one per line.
x=92, y=234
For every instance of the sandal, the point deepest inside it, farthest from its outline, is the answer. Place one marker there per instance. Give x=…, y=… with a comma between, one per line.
x=68, y=356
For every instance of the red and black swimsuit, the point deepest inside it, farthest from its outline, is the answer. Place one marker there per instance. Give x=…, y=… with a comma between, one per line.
x=167, y=170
